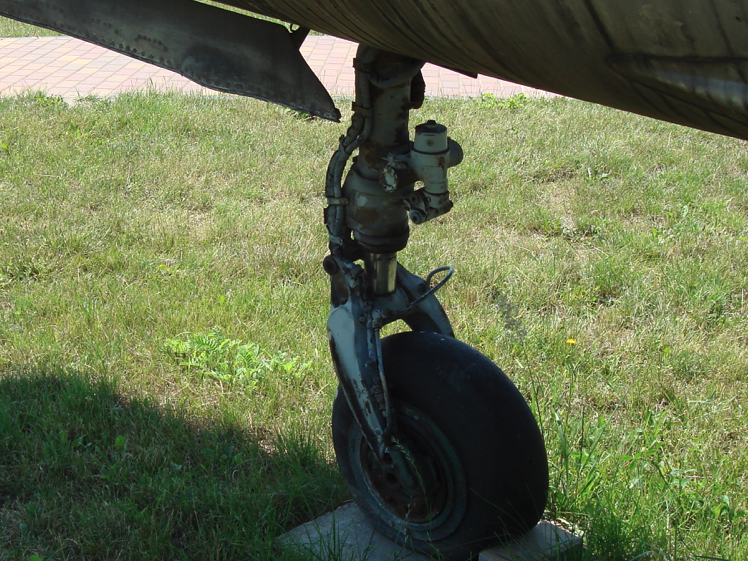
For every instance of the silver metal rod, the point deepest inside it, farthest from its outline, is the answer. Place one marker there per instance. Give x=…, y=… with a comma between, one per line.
x=381, y=272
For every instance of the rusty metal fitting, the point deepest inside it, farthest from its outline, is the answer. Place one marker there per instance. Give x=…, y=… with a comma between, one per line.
x=433, y=153
x=378, y=218
x=380, y=180
x=425, y=206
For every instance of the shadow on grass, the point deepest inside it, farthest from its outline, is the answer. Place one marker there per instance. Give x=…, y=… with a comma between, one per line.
x=87, y=473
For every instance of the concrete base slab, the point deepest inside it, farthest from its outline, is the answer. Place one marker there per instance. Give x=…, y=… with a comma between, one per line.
x=545, y=542
x=345, y=535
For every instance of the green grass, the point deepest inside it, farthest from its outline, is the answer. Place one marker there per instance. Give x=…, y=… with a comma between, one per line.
x=12, y=28
x=602, y=261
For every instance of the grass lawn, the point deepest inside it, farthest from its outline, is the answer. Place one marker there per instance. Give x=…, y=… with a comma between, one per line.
x=12, y=28
x=165, y=386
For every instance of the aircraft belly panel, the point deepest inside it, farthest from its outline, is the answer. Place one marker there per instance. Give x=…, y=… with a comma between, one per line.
x=579, y=48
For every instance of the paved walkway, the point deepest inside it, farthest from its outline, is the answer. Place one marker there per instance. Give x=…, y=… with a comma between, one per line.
x=71, y=68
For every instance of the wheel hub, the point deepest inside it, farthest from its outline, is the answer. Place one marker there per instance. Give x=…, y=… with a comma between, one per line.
x=429, y=501
x=419, y=498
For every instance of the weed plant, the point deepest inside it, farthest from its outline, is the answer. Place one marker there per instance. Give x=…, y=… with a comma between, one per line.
x=601, y=260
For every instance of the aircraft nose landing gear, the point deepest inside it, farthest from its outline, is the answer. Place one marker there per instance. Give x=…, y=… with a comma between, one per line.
x=437, y=446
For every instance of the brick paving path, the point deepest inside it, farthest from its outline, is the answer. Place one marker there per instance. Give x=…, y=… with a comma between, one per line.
x=72, y=69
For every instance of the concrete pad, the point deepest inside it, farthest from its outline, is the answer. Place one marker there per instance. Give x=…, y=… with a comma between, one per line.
x=545, y=542
x=346, y=535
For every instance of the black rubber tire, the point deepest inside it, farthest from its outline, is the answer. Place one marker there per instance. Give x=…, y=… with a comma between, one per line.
x=451, y=401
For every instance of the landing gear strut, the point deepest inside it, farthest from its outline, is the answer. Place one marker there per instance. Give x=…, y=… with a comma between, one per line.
x=437, y=446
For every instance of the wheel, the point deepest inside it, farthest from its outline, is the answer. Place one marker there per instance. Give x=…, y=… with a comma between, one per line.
x=468, y=435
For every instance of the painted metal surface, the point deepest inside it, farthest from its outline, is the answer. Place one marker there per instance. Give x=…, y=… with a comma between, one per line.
x=684, y=61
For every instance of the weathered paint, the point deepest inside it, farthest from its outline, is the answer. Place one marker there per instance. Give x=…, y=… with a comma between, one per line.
x=684, y=61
